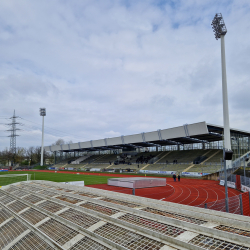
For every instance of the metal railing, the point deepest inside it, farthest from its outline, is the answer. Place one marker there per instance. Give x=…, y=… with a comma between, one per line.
x=238, y=204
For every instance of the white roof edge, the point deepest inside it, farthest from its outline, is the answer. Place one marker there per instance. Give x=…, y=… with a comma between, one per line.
x=170, y=133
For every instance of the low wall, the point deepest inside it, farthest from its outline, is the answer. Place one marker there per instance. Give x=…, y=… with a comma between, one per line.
x=157, y=172
x=213, y=176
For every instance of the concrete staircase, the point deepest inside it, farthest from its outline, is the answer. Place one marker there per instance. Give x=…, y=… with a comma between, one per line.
x=98, y=158
x=157, y=160
x=211, y=156
x=82, y=158
x=186, y=170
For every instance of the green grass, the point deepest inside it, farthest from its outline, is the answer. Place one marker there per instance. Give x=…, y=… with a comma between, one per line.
x=58, y=177
x=40, y=167
x=61, y=177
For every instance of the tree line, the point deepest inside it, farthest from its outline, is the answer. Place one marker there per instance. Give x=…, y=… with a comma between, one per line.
x=27, y=156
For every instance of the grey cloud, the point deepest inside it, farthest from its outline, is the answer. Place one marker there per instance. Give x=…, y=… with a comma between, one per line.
x=102, y=68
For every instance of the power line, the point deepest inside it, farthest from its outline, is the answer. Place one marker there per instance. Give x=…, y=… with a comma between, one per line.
x=50, y=128
x=30, y=128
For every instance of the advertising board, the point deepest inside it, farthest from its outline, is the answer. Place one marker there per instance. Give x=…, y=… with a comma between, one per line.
x=194, y=174
x=222, y=182
x=245, y=188
x=95, y=169
x=231, y=184
x=157, y=172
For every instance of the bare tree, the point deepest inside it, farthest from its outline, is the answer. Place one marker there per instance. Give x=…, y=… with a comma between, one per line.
x=20, y=154
x=30, y=154
x=6, y=156
x=58, y=142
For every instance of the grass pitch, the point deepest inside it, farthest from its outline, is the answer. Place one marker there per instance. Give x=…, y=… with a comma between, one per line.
x=57, y=177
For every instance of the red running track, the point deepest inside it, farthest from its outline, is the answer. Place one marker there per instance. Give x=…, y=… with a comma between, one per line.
x=188, y=191
x=191, y=192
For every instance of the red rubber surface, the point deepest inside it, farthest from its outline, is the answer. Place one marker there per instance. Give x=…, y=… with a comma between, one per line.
x=191, y=192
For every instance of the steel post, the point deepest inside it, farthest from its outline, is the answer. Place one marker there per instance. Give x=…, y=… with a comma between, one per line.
x=55, y=157
x=225, y=182
x=227, y=138
x=244, y=171
x=42, y=143
x=241, y=205
x=249, y=198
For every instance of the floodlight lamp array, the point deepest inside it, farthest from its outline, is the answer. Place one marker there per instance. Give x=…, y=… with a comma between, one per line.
x=42, y=111
x=218, y=26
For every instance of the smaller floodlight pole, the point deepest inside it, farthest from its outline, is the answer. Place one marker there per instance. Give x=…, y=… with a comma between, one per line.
x=42, y=113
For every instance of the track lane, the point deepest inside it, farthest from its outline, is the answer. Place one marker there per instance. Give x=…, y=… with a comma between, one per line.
x=188, y=192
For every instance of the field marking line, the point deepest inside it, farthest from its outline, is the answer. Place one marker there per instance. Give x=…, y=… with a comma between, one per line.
x=172, y=200
x=205, y=199
x=187, y=196
x=197, y=196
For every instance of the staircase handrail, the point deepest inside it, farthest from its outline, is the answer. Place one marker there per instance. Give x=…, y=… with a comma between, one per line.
x=237, y=162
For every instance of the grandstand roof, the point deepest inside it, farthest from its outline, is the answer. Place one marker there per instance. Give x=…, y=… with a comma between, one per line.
x=186, y=134
x=48, y=215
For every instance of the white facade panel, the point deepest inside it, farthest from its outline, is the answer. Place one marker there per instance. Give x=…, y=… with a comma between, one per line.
x=173, y=133
x=114, y=141
x=74, y=146
x=99, y=143
x=197, y=128
x=65, y=147
x=86, y=144
x=151, y=136
x=133, y=138
x=56, y=148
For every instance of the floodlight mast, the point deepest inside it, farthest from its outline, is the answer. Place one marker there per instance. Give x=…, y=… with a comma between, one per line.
x=42, y=113
x=220, y=31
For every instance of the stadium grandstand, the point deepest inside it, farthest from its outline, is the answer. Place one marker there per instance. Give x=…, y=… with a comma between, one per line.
x=189, y=149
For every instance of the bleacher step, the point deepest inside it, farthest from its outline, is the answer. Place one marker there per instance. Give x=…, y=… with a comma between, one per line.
x=110, y=165
x=211, y=156
x=185, y=170
x=162, y=156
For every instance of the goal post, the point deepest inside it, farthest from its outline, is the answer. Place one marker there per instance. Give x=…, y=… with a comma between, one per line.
x=6, y=179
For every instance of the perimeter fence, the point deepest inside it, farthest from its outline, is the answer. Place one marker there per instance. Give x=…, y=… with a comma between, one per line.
x=238, y=204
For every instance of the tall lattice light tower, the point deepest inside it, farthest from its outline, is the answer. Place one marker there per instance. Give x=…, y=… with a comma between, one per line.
x=13, y=135
x=42, y=113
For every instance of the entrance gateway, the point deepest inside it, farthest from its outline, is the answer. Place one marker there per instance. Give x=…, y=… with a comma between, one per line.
x=137, y=182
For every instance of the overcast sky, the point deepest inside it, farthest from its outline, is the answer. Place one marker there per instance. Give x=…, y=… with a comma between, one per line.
x=104, y=68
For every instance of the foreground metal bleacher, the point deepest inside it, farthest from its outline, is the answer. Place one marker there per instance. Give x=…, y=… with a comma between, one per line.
x=48, y=215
